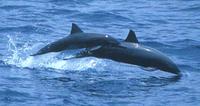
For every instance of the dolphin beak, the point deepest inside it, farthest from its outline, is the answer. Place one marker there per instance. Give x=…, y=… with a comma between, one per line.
x=34, y=54
x=38, y=53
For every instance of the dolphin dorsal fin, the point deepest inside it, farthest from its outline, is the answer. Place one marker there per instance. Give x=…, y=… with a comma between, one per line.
x=75, y=29
x=131, y=37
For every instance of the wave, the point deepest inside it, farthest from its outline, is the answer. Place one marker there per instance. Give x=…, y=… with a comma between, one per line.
x=121, y=88
x=29, y=29
x=60, y=11
x=186, y=41
x=14, y=7
x=191, y=8
x=157, y=44
x=101, y=16
x=187, y=45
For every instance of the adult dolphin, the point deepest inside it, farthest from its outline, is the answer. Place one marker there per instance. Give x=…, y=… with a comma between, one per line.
x=77, y=40
x=132, y=52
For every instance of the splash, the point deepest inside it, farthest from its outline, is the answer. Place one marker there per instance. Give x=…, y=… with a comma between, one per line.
x=20, y=57
x=12, y=48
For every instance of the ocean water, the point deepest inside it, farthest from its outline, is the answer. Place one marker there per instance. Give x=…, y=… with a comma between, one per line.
x=171, y=26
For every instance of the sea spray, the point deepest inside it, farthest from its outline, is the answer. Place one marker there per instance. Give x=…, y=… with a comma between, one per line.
x=20, y=57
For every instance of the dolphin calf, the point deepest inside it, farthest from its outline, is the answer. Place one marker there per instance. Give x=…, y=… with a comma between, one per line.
x=77, y=40
x=132, y=52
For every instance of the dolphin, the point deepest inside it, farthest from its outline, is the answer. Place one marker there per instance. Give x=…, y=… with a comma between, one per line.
x=78, y=40
x=132, y=52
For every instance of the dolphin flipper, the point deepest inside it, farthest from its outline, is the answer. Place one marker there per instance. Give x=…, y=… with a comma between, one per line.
x=93, y=48
x=75, y=29
x=84, y=53
x=131, y=37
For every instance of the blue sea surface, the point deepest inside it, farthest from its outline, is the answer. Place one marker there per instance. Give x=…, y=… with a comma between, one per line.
x=171, y=26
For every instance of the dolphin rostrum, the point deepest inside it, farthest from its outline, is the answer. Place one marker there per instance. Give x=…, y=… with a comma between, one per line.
x=77, y=40
x=132, y=52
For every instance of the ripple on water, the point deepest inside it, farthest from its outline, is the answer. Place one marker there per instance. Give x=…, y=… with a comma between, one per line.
x=27, y=29
x=14, y=7
x=9, y=95
x=123, y=88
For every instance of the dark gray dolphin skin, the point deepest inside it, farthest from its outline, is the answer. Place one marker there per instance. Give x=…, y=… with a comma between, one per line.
x=77, y=40
x=131, y=52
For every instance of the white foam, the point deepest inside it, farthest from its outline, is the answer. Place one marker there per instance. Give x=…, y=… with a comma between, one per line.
x=20, y=58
